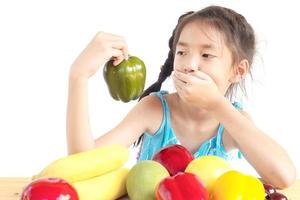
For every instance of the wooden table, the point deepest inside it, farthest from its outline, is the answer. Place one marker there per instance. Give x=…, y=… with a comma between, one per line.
x=11, y=188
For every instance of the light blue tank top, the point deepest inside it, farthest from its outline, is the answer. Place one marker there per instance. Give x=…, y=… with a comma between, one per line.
x=165, y=136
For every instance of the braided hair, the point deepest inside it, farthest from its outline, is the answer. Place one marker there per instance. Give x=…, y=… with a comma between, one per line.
x=165, y=70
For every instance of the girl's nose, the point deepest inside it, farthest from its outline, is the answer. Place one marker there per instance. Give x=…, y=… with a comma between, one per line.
x=192, y=66
x=191, y=69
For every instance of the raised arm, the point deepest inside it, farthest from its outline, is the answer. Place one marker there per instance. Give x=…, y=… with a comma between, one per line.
x=104, y=46
x=146, y=115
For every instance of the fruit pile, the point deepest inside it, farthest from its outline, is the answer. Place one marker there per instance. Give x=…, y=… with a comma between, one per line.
x=172, y=174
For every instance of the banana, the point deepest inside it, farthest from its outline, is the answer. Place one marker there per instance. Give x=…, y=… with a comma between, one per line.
x=88, y=164
x=109, y=186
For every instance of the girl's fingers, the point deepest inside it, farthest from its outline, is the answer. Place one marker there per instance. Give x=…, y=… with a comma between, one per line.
x=201, y=75
x=114, y=41
x=187, y=78
x=117, y=61
x=120, y=45
x=116, y=52
x=180, y=86
x=117, y=56
x=193, y=77
x=179, y=82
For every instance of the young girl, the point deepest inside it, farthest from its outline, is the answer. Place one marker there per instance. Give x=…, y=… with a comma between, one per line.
x=211, y=52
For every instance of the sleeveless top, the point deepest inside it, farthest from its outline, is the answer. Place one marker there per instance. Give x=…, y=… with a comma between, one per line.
x=165, y=136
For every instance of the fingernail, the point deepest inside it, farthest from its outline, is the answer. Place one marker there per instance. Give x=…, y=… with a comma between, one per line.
x=126, y=57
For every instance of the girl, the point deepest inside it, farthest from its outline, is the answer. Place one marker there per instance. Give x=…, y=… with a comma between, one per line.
x=211, y=52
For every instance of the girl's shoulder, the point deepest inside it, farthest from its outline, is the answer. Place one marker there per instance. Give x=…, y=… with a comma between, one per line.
x=154, y=100
x=153, y=109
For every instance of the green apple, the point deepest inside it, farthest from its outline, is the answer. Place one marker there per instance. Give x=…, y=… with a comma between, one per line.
x=143, y=179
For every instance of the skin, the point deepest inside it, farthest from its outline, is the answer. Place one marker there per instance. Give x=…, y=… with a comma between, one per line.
x=201, y=77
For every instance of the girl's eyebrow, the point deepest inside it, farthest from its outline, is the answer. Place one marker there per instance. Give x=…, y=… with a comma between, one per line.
x=182, y=44
x=202, y=46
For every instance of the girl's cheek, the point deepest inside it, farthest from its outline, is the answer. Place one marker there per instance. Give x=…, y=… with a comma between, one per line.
x=176, y=68
x=178, y=65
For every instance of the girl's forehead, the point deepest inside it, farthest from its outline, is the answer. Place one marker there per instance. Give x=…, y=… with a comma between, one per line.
x=200, y=34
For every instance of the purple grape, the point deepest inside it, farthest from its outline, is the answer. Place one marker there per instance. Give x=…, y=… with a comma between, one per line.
x=269, y=189
x=277, y=196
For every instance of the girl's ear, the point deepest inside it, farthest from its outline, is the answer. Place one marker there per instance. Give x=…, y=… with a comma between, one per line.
x=239, y=71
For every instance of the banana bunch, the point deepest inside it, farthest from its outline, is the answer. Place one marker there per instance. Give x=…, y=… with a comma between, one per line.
x=96, y=174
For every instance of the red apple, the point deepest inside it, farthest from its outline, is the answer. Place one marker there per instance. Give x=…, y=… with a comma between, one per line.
x=174, y=158
x=49, y=189
x=182, y=186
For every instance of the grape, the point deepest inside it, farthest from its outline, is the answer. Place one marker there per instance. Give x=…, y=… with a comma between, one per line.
x=277, y=196
x=269, y=189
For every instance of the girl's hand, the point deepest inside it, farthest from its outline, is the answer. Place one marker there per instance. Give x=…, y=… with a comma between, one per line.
x=197, y=88
x=102, y=48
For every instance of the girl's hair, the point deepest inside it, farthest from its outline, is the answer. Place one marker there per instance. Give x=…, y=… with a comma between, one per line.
x=237, y=33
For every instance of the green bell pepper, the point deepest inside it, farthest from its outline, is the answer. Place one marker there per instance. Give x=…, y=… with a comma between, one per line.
x=125, y=81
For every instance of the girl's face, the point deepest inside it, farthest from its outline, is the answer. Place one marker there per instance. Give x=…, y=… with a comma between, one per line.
x=201, y=47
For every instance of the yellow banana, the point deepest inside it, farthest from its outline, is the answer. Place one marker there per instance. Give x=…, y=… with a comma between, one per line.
x=88, y=164
x=109, y=186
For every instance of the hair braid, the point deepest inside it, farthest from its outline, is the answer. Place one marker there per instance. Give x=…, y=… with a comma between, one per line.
x=165, y=70
x=167, y=67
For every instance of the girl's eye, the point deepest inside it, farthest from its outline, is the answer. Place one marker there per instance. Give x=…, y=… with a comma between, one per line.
x=206, y=55
x=181, y=53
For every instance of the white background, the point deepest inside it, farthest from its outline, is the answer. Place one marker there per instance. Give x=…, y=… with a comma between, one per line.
x=39, y=40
